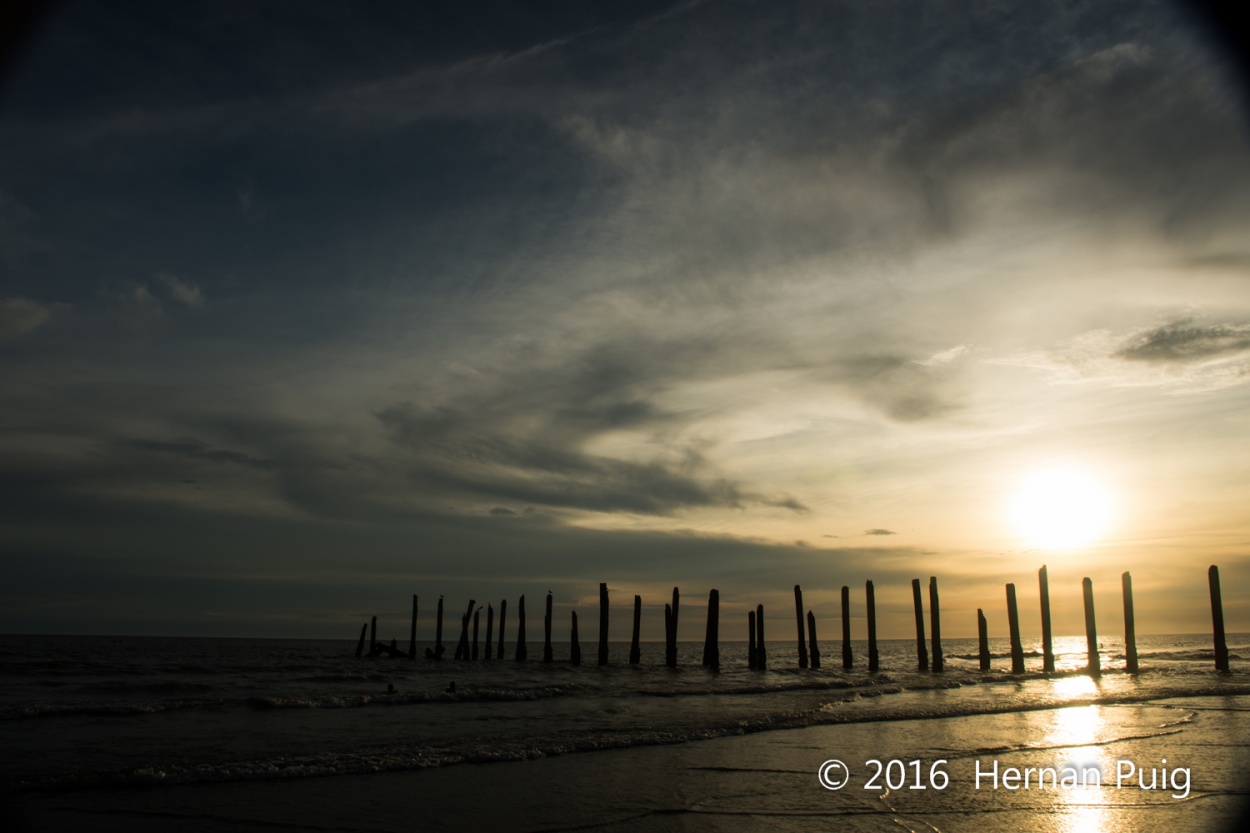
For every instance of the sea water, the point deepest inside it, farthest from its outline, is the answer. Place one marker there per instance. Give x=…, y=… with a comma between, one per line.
x=78, y=712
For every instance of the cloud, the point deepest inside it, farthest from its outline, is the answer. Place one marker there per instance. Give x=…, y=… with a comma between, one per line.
x=880, y=532
x=181, y=290
x=1181, y=342
x=19, y=316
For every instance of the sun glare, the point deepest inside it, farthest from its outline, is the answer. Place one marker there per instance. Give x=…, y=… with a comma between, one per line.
x=1060, y=508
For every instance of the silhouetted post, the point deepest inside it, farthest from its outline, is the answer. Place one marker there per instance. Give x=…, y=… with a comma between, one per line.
x=476, y=616
x=635, y=655
x=503, y=611
x=798, y=615
x=373, y=637
x=547, y=632
x=1217, y=619
x=490, y=628
x=1091, y=629
x=670, y=650
x=462, y=647
x=936, y=622
x=1130, y=626
x=922, y=653
x=575, y=650
x=848, y=658
x=438, y=631
x=752, y=651
x=412, y=634
x=522, y=653
x=811, y=639
x=874, y=659
x=983, y=640
x=360, y=646
x=1013, y=623
x=603, y=623
x=1048, y=644
x=761, y=655
x=711, y=642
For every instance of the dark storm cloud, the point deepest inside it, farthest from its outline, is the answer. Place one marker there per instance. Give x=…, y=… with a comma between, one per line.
x=1183, y=342
x=199, y=451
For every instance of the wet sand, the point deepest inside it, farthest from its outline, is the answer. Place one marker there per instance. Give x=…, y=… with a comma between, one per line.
x=765, y=782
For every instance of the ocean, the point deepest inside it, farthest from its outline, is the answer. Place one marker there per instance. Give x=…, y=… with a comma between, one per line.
x=90, y=712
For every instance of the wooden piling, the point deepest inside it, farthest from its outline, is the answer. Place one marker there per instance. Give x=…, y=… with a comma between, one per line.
x=1091, y=629
x=935, y=622
x=670, y=650
x=874, y=658
x=761, y=654
x=575, y=650
x=438, y=631
x=1048, y=643
x=360, y=646
x=547, y=632
x=373, y=637
x=848, y=658
x=1130, y=625
x=752, y=652
x=922, y=652
x=811, y=640
x=490, y=628
x=711, y=641
x=1013, y=623
x=412, y=633
x=1217, y=619
x=522, y=653
x=503, y=612
x=983, y=641
x=476, y=615
x=603, y=623
x=462, y=647
x=798, y=615
x=635, y=654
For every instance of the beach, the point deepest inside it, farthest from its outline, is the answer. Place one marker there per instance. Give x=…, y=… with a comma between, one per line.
x=760, y=781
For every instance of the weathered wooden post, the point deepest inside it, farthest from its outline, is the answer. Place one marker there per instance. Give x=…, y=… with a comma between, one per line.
x=412, y=634
x=936, y=622
x=761, y=655
x=798, y=615
x=711, y=641
x=811, y=639
x=635, y=654
x=848, y=658
x=1013, y=623
x=476, y=616
x=360, y=646
x=575, y=650
x=670, y=651
x=547, y=632
x=922, y=653
x=462, y=647
x=603, y=623
x=1130, y=625
x=373, y=637
x=1217, y=619
x=503, y=611
x=1048, y=644
x=522, y=653
x=983, y=641
x=490, y=628
x=438, y=631
x=752, y=651
x=874, y=658
x=1091, y=630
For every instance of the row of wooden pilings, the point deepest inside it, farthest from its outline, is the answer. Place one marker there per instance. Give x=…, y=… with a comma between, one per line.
x=808, y=651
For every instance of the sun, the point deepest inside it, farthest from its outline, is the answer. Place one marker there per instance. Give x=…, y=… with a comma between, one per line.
x=1060, y=508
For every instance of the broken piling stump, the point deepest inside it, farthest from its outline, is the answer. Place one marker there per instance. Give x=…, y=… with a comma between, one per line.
x=1217, y=619
x=848, y=659
x=438, y=631
x=711, y=640
x=811, y=640
x=1013, y=624
x=935, y=619
x=874, y=658
x=635, y=655
x=522, y=653
x=1091, y=629
x=922, y=653
x=983, y=641
x=360, y=646
x=575, y=649
x=1130, y=625
x=761, y=654
x=1048, y=643
x=603, y=623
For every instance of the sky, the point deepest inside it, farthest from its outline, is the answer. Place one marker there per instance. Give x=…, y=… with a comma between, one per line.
x=308, y=307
